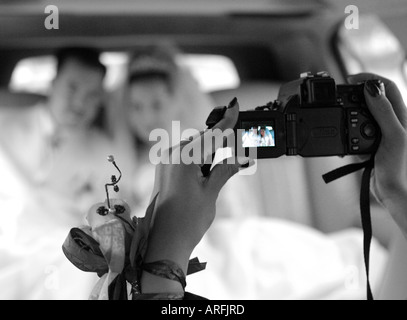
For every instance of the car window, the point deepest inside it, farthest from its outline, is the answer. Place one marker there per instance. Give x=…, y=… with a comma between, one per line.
x=212, y=72
x=373, y=48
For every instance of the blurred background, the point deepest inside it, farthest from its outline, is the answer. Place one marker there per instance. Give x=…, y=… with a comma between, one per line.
x=80, y=80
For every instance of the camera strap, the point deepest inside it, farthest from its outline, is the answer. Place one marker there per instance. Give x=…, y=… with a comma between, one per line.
x=364, y=205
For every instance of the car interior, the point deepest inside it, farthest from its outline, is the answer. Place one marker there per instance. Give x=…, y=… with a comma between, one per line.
x=265, y=44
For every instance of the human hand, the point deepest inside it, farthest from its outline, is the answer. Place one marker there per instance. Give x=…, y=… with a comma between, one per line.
x=389, y=183
x=186, y=204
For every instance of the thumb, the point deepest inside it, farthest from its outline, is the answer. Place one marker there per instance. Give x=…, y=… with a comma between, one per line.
x=221, y=173
x=381, y=109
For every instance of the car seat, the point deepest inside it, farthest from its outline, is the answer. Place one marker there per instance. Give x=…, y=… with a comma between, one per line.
x=18, y=99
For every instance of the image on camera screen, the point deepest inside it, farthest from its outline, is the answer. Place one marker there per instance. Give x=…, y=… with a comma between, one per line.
x=258, y=135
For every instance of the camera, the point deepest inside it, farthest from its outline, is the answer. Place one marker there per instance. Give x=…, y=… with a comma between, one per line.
x=312, y=117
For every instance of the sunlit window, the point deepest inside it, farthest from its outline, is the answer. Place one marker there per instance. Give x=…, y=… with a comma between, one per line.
x=34, y=75
x=373, y=48
x=212, y=72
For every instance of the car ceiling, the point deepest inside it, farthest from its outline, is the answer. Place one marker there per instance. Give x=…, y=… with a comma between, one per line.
x=22, y=21
x=163, y=7
x=237, y=28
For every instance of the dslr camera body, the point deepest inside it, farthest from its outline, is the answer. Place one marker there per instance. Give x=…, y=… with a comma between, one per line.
x=312, y=117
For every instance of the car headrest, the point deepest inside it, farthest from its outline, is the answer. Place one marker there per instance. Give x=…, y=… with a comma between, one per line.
x=18, y=99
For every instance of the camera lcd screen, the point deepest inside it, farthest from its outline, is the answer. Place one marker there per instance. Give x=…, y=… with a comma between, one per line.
x=259, y=134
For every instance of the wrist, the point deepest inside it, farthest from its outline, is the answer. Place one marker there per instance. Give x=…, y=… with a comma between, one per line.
x=397, y=196
x=160, y=249
x=163, y=277
x=163, y=247
x=168, y=240
x=396, y=205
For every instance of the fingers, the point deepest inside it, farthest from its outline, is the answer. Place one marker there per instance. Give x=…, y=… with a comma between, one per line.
x=221, y=173
x=361, y=77
x=391, y=91
x=382, y=110
x=230, y=118
x=213, y=139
